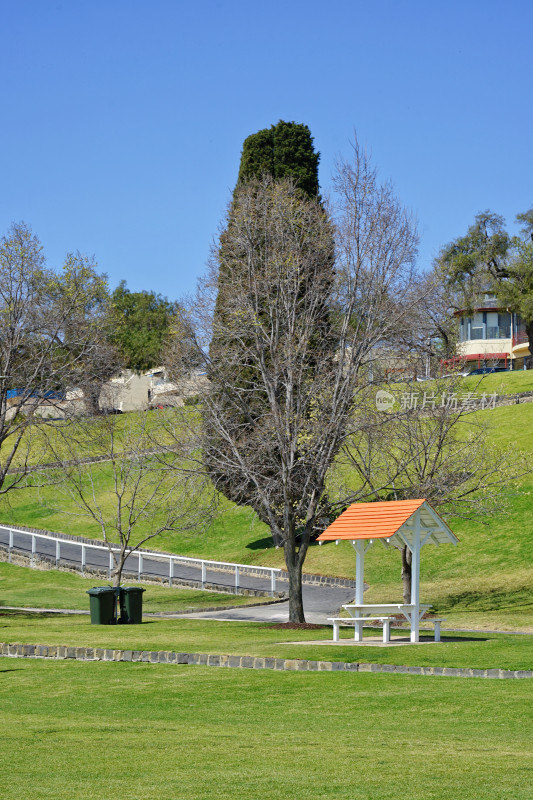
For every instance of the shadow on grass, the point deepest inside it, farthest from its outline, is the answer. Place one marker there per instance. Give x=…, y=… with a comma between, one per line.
x=31, y=614
x=465, y=639
x=267, y=543
x=491, y=600
x=261, y=544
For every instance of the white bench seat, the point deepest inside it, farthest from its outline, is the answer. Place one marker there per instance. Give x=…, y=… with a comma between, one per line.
x=358, y=624
x=436, y=626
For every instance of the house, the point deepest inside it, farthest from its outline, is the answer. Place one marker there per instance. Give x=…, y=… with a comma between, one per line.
x=128, y=391
x=164, y=392
x=131, y=391
x=492, y=336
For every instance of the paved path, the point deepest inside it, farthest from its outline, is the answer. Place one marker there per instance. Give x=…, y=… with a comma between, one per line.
x=151, y=566
x=320, y=602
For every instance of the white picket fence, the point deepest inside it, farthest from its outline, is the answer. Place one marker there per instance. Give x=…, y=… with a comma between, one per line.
x=201, y=564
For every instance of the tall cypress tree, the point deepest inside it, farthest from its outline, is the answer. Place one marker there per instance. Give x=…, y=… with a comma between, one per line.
x=282, y=151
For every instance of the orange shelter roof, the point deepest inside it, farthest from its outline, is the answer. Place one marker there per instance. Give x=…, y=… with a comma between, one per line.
x=378, y=520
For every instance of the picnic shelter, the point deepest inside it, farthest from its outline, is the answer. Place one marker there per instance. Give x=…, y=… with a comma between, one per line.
x=395, y=523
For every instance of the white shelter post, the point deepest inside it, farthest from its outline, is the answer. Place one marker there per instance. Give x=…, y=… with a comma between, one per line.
x=360, y=549
x=359, y=545
x=415, y=580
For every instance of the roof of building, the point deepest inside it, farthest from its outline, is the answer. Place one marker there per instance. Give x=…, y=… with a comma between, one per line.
x=382, y=520
x=468, y=312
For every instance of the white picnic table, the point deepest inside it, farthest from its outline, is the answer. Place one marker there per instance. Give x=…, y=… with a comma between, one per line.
x=358, y=611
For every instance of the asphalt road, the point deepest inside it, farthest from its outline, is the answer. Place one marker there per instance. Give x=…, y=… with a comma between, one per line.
x=320, y=602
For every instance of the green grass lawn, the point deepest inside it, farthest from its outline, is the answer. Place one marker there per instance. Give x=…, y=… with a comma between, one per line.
x=92, y=731
x=479, y=651
x=502, y=382
x=31, y=588
x=499, y=382
x=52, y=441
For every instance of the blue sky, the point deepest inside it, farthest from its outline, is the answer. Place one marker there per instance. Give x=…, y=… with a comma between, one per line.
x=122, y=121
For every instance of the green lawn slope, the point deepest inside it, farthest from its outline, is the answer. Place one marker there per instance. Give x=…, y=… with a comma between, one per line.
x=502, y=382
x=484, y=582
x=24, y=587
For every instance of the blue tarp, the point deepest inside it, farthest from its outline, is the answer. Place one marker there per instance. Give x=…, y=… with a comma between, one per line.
x=50, y=395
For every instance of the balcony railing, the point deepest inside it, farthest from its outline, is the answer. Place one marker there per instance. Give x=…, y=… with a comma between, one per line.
x=520, y=337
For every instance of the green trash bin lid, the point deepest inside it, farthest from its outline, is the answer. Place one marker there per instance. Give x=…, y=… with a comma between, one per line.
x=133, y=589
x=96, y=590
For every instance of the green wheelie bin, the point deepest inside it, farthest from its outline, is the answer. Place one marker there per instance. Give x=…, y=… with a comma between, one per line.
x=103, y=601
x=131, y=602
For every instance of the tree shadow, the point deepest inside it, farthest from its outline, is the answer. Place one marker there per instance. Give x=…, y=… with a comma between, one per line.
x=261, y=544
x=20, y=614
x=449, y=637
x=488, y=600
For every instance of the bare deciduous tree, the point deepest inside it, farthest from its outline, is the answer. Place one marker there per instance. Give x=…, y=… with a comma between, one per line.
x=145, y=485
x=51, y=340
x=426, y=344
x=284, y=376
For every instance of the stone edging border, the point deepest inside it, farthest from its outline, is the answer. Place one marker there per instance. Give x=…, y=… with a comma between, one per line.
x=243, y=662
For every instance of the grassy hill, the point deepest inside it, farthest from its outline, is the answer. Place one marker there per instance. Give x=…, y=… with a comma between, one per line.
x=503, y=382
x=486, y=581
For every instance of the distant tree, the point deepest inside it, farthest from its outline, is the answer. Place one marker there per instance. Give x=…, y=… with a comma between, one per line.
x=284, y=150
x=52, y=339
x=86, y=334
x=142, y=322
x=516, y=289
x=479, y=258
x=488, y=259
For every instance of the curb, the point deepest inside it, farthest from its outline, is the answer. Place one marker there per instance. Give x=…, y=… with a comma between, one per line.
x=243, y=662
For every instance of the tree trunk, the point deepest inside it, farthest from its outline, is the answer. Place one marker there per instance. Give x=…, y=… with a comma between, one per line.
x=406, y=574
x=529, y=334
x=296, y=606
x=91, y=396
x=119, y=566
x=294, y=568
